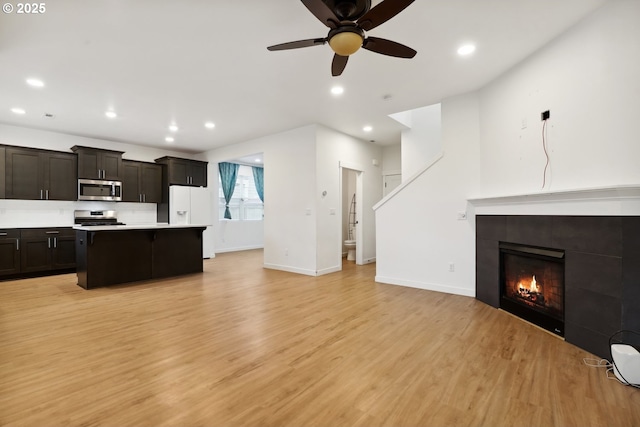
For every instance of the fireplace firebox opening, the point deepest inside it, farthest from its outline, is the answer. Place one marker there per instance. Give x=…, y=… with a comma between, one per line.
x=532, y=285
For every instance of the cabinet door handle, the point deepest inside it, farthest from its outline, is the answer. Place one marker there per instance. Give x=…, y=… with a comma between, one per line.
x=49, y=242
x=55, y=242
x=40, y=194
x=46, y=192
x=3, y=234
x=140, y=198
x=17, y=244
x=52, y=232
x=144, y=198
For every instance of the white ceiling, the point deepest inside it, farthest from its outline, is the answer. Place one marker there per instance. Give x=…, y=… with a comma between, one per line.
x=159, y=61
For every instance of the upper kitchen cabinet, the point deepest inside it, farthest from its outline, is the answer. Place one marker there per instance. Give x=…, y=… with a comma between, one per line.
x=185, y=171
x=142, y=182
x=32, y=174
x=96, y=163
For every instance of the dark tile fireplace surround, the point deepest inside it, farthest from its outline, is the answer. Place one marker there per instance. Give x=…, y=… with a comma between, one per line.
x=602, y=269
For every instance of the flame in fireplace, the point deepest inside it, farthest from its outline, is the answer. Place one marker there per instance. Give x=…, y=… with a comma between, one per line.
x=532, y=288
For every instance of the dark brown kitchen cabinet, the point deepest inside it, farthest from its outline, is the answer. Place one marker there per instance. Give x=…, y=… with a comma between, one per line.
x=184, y=171
x=109, y=257
x=32, y=174
x=94, y=163
x=142, y=182
x=46, y=249
x=9, y=251
x=2, y=172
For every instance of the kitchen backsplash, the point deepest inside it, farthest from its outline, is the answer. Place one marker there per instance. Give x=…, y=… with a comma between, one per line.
x=52, y=213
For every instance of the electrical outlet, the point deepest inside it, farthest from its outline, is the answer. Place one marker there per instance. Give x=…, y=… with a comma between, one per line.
x=545, y=115
x=452, y=267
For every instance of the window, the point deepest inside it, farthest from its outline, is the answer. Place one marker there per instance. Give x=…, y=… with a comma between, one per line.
x=245, y=205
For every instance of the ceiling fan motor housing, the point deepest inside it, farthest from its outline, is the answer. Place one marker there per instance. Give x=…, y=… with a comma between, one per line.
x=348, y=10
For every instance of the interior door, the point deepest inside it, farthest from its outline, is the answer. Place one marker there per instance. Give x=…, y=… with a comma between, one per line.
x=390, y=183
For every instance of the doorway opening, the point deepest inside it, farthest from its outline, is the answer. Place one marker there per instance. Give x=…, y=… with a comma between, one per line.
x=351, y=211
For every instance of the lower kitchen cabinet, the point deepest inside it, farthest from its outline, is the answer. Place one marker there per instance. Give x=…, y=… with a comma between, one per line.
x=9, y=251
x=109, y=257
x=46, y=249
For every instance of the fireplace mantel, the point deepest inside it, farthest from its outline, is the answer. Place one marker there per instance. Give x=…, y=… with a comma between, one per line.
x=621, y=200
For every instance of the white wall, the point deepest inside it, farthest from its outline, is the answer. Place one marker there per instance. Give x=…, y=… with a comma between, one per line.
x=333, y=150
x=233, y=236
x=300, y=233
x=289, y=191
x=492, y=142
x=589, y=80
x=392, y=159
x=54, y=213
x=422, y=141
x=417, y=229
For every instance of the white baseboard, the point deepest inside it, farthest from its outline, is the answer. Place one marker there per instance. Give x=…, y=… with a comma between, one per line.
x=290, y=269
x=238, y=249
x=427, y=286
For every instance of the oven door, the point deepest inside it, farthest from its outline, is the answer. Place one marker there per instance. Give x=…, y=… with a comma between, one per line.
x=91, y=189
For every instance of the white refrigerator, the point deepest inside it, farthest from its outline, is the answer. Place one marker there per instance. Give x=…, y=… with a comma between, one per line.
x=192, y=205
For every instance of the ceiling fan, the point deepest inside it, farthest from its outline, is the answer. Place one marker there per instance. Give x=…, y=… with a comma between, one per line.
x=347, y=21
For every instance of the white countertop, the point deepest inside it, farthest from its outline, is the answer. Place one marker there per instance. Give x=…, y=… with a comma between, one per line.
x=156, y=226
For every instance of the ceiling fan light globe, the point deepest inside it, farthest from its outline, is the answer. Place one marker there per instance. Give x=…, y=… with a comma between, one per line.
x=346, y=43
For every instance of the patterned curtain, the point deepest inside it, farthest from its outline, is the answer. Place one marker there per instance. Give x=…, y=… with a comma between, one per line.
x=228, y=177
x=258, y=178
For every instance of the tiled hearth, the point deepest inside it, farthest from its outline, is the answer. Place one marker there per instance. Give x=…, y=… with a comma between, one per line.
x=602, y=259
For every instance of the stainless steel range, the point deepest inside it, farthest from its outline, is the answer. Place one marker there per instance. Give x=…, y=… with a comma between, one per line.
x=95, y=218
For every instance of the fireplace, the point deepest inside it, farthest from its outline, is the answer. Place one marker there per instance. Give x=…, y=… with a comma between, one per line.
x=532, y=285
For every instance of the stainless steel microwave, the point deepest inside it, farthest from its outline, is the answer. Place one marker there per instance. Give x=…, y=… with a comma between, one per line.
x=93, y=189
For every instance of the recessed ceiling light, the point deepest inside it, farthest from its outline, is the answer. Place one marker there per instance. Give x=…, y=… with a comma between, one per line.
x=169, y=139
x=367, y=128
x=466, y=49
x=35, y=82
x=173, y=128
x=209, y=125
x=111, y=114
x=17, y=110
x=337, y=90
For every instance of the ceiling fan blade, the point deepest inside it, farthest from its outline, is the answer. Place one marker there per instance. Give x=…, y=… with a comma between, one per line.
x=388, y=47
x=298, y=44
x=322, y=12
x=382, y=13
x=338, y=64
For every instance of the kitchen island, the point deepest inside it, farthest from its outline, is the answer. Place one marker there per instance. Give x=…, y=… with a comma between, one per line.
x=113, y=254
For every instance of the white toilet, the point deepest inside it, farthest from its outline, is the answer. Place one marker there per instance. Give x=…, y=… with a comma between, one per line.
x=351, y=248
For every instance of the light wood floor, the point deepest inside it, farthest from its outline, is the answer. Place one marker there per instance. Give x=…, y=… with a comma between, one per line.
x=243, y=346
